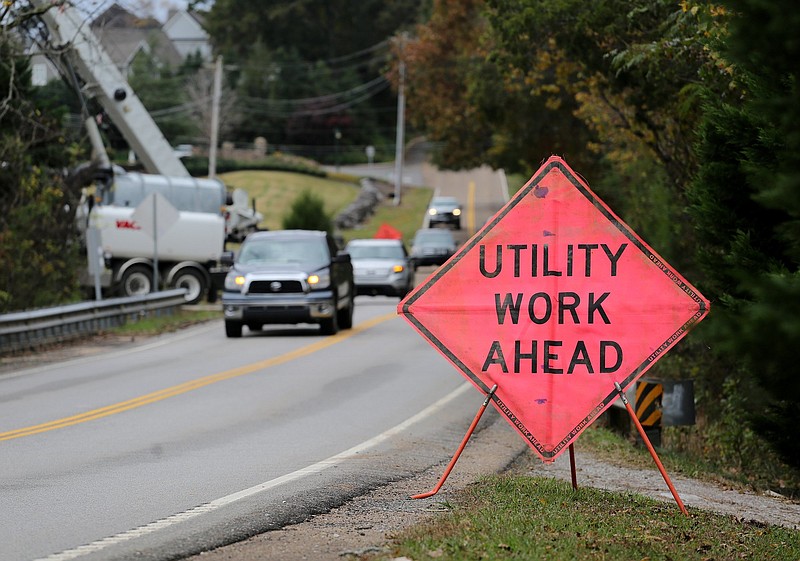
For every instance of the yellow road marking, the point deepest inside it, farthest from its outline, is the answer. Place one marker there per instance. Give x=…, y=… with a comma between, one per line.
x=471, y=208
x=192, y=384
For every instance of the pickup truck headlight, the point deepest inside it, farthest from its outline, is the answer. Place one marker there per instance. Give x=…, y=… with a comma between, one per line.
x=234, y=282
x=320, y=279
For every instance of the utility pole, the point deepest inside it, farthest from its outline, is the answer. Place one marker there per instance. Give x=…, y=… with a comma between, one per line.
x=401, y=110
x=337, y=136
x=212, y=148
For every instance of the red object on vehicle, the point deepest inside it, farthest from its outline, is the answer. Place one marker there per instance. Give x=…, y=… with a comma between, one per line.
x=388, y=232
x=555, y=300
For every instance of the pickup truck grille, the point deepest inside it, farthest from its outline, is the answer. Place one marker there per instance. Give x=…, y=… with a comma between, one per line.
x=275, y=287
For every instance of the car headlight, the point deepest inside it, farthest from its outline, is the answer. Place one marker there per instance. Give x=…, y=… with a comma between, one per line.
x=320, y=279
x=234, y=282
x=398, y=268
x=457, y=212
x=431, y=211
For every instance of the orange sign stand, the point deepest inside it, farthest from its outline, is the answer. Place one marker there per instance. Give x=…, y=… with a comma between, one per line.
x=467, y=436
x=558, y=306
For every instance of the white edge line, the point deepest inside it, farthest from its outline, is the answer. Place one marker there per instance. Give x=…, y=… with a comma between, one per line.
x=313, y=469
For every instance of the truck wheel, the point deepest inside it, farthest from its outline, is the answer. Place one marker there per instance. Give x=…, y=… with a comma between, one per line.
x=137, y=280
x=345, y=316
x=211, y=297
x=193, y=282
x=330, y=326
x=233, y=329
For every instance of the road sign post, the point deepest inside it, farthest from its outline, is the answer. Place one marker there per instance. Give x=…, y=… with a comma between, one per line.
x=556, y=301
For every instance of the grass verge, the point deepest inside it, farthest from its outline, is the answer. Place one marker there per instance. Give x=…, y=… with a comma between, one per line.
x=275, y=191
x=406, y=217
x=518, y=517
x=165, y=323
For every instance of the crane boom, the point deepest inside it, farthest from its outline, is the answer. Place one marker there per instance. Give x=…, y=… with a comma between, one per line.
x=106, y=83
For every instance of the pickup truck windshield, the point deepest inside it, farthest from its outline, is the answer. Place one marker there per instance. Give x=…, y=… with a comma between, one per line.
x=276, y=252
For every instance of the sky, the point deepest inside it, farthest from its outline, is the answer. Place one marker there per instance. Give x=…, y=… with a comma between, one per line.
x=157, y=8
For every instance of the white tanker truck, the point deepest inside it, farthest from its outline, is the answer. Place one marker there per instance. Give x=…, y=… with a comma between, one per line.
x=148, y=230
x=143, y=230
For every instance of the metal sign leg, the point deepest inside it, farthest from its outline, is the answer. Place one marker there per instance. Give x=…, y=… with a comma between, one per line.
x=650, y=448
x=572, y=466
x=460, y=448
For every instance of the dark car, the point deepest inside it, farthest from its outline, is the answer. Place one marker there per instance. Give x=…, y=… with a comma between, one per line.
x=444, y=210
x=288, y=276
x=432, y=246
x=381, y=266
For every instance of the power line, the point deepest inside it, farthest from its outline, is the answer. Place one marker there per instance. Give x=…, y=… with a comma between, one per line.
x=328, y=98
x=330, y=64
x=266, y=110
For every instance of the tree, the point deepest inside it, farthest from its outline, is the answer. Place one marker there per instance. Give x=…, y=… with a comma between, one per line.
x=315, y=30
x=441, y=62
x=746, y=206
x=161, y=91
x=602, y=83
x=308, y=213
x=39, y=248
x=307, y=69
x=200, y=91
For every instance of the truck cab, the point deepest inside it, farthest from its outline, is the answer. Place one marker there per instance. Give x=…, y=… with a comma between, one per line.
x=288, y=276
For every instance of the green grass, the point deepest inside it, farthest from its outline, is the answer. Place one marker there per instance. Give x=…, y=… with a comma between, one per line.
x=157, y=324
x=275, y=191
x=406, y=217
x=517, y=517
x=514, y=516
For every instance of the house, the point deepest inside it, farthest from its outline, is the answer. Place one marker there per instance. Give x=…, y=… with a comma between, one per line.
x=125, y=36
x=185, y=30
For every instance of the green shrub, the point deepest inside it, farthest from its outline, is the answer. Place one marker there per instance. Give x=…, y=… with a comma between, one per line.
x=308, y=213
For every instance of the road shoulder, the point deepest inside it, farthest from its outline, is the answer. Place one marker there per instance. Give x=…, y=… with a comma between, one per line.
x=367, y=523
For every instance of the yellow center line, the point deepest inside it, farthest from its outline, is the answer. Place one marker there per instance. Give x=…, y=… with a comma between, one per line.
x=185, y=387
x=471, y=208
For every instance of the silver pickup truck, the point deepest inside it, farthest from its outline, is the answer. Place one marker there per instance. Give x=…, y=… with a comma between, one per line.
x=288, y=276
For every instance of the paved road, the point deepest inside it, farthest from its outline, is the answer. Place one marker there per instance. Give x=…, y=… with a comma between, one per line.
x=189, y=441
x=183, y=443
x=482, y=191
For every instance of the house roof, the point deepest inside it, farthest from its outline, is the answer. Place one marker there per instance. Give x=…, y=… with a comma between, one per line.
x=116, y=16
x=124, y=35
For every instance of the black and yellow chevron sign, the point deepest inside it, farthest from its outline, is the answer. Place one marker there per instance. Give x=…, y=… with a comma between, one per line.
x=648, y=403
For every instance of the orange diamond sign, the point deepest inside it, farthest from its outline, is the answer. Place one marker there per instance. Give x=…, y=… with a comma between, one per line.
x=555, y=300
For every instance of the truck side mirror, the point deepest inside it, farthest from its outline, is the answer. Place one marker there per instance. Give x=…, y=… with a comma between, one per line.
x=226, y=258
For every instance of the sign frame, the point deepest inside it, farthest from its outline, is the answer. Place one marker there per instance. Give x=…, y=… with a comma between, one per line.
x=405, y=307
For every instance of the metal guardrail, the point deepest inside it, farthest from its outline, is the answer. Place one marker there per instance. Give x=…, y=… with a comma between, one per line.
x=21, y=331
